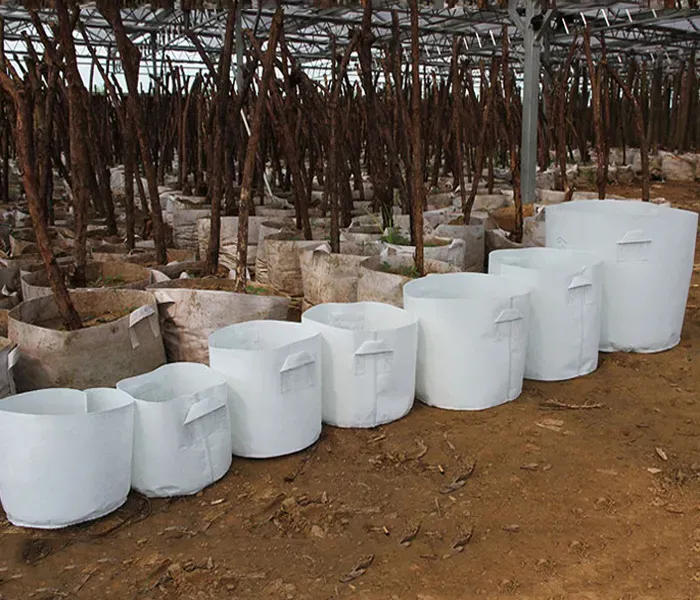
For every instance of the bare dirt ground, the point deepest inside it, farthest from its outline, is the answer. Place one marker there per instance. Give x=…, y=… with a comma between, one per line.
x=598, y=503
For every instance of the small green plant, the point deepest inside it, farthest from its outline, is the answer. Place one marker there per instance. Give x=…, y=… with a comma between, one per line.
x=410, y=272
x=107, y=281
x=255, y=290
x=391, y=236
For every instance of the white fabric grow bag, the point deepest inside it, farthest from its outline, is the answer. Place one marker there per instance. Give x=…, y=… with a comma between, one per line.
x=369, y=362
x=182, y=439
x=273, y=369
x=472, y=339
x=647, y=252
x=65, y=455
x=567, y=307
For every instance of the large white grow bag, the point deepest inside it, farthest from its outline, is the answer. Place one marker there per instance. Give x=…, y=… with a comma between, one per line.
x=472, y=339
x=273, y=369
x=65, y=455
x=567, y=307
x=369, y=362
x=648, y=252
x=182, y=440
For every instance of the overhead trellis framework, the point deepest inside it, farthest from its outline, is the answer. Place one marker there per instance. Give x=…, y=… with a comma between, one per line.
x=630, y=28
x=540, y=32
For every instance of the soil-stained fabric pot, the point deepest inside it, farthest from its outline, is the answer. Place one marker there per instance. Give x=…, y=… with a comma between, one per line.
x=369, y=362
x=120, y=253
x=647, y=252
x=475, y=245
x=472, y=339
x=66, y=455
x=362, y=234
x=273, y=370
x=190, y=313
x=96, y=356
x=330, y=277
x=228, y=240
x=451, y=251
x=567, y=308
x=99, y=275
x=283, y=265
x=184, y=224
x=266, y=230
x=182, y=438
x=379, y=281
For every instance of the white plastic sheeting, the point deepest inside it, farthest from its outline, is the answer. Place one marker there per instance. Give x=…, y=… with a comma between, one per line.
x=369, y=362
x=567, y=308
x=65, y=455
x=182, y=439
x=648, y=252
x=472, y=338
x=273, y=370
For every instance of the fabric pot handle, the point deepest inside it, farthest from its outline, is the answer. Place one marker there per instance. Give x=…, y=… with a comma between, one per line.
x=204, y=407
x=296, y=361
x=373, y=347
x=145, y=312
x=291, y=378
x=633, y=246
x=509, y=315
x=580, y=281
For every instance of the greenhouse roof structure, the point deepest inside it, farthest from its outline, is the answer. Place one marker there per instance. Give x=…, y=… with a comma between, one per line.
x=163, y=30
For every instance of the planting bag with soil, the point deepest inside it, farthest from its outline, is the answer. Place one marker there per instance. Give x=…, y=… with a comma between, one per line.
x=362, y=233
x=65, y=455
x=472, y=339
x=266, y=230
x=273, y=370
x=475, y=246
x=228, y=240
x=382, y=277
x=567, y=307
x=192, y=309
x=184, y=224
x=98, y=275
x=647, y=252
x=369, y=362
x=450, y=251
x=124, y=340
x=328, y=277
x=283, y=266
x=182, y=437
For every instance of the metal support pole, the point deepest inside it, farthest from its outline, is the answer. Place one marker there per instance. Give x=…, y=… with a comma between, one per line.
x=154, y=54
x=532, y=42
x=239, y=48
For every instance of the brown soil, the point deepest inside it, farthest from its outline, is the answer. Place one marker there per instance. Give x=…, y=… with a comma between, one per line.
x=89, y=320
x=505, y=217
x=596, y=504
x=207, y=283
x=106, y=282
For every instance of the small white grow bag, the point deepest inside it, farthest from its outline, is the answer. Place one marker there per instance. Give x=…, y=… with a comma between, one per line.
x=567, y=308
x=65, y=455
x=647, y=252
x=369, y=362
x=472, y=339
x=273, y=369
x=182, y=440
